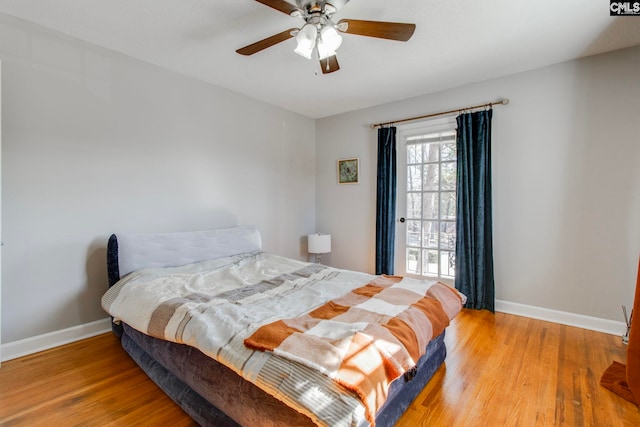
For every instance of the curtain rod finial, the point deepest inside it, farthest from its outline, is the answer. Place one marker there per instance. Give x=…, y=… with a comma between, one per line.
x=504, y=101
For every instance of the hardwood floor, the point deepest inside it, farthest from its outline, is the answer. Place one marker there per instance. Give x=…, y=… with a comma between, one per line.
x=504, y=370
x=501, y=370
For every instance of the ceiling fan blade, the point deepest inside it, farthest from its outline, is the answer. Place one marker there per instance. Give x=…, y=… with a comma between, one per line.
x=329, y=65
x=383, y=30
x=265, y=43
x=279, y=5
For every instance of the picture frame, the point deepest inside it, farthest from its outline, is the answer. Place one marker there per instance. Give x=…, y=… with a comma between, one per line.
x=349, y=171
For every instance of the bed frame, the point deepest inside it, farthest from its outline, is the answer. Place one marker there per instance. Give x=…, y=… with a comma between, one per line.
x=211, y=393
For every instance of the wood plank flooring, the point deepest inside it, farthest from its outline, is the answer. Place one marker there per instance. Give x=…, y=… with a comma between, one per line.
x=504, y=370
x=501, y=370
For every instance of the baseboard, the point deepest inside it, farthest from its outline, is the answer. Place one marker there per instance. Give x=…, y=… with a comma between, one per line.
x=27, y=346
x=565, y=318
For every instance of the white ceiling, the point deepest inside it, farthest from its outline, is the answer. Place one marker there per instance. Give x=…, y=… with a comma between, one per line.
x=455, y=42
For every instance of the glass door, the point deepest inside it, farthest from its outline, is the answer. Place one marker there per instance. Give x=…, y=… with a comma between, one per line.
x=426, y=202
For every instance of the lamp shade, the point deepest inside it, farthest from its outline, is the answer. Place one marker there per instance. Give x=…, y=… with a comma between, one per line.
x=328, y=42
x=306, y=40
x=319, y=243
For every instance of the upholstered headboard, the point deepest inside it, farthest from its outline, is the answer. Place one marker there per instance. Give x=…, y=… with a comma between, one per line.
x=130, y=252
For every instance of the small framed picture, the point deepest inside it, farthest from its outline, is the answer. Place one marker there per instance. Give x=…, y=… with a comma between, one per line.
x=348, y=171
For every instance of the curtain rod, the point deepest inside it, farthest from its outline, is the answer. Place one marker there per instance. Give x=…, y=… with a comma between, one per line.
x=501, y=101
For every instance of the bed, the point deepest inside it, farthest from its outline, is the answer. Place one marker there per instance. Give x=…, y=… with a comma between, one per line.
x=219, y=326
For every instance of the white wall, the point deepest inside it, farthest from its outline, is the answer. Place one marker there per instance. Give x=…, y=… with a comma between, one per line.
x=566, y=156
x=95, y=142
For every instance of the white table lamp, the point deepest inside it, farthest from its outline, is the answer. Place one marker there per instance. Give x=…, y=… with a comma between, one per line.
x=319, y=244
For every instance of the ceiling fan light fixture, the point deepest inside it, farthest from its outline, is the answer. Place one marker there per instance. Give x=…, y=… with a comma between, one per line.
x=323, y=52
x=306, y=40
x=328, y=42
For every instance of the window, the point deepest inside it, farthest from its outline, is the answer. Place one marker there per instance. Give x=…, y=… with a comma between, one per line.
x=430, y=204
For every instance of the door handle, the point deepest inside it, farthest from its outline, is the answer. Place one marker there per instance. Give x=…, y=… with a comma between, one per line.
x=402, y=220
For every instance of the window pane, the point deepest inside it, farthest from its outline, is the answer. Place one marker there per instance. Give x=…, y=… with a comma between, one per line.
x=431, y=152
x=448, y=205
x=448, y=152
x=430, y=234
x=413, y=261
x=448, y=235
x=447, y=263
x=414, y=205
x=429, y=262
x=448, y=176
x=414, y=178
x=431, y=177
x=414, y=154
x=414, y=232
x=430, y=207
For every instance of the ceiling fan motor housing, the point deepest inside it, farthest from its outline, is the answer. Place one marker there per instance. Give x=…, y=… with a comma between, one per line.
x=310, y=8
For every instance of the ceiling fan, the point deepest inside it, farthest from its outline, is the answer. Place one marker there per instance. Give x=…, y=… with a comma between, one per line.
x=320, y=35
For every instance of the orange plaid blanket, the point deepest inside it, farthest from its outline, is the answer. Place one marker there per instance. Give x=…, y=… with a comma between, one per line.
x=366, y=338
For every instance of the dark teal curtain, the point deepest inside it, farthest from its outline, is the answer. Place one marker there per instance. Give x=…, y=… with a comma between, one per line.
x=386, y=201
x=474, y=242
